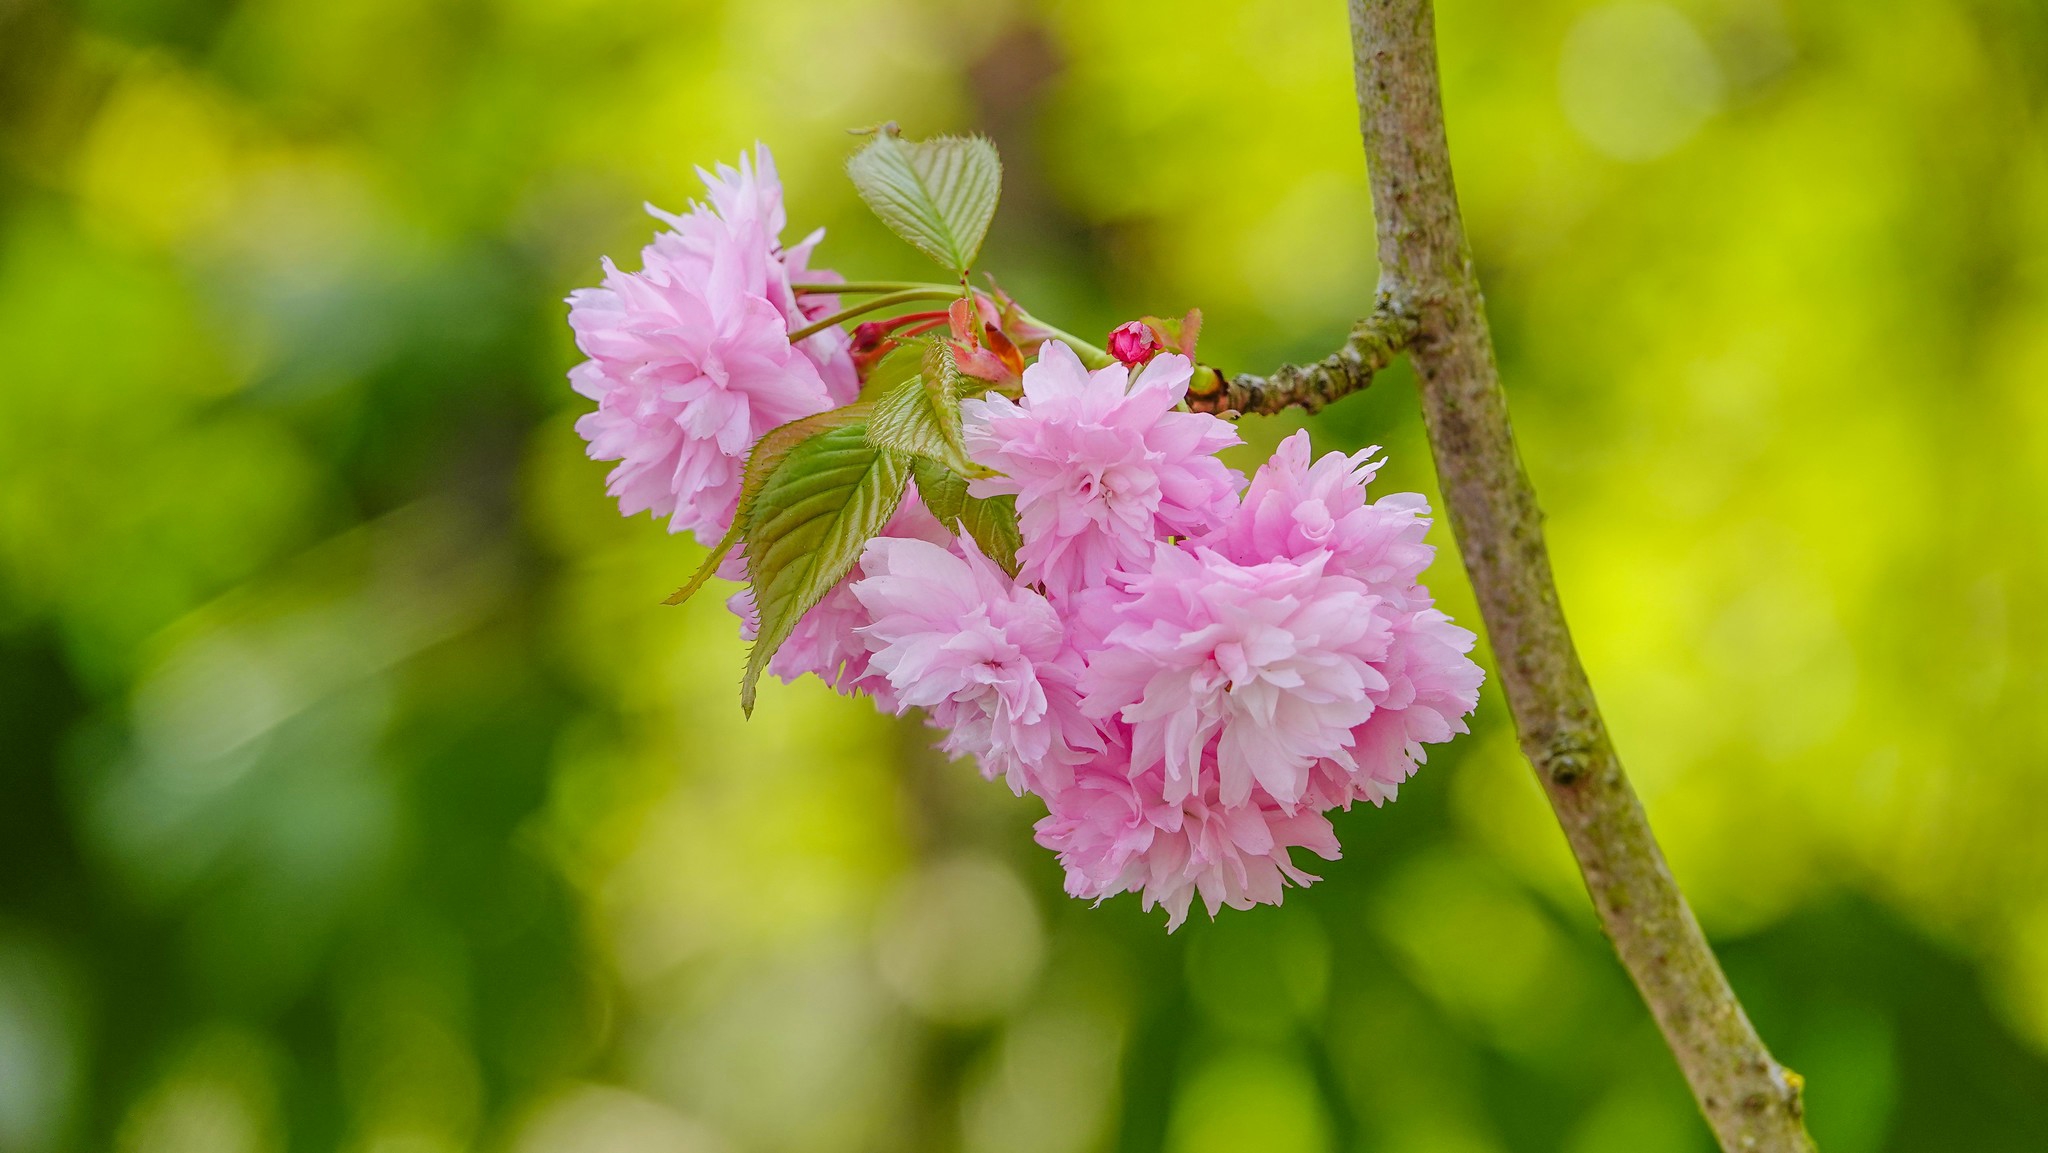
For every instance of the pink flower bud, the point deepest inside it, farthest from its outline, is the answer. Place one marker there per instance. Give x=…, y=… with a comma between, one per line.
x=1133, y=343
x=868, y=336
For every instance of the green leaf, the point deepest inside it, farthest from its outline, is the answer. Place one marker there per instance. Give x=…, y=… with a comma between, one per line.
x=991, y=521
x=768, y=452
x=919, y=412
x=938, y=194
x=817, y=509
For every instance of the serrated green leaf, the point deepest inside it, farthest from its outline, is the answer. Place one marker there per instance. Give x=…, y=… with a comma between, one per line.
x=938, y=194
x=920, y=413
x=991, y=521
x=767, y=453
x=805, y=531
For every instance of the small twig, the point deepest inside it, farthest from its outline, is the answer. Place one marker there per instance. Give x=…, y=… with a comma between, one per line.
x=1372, y=346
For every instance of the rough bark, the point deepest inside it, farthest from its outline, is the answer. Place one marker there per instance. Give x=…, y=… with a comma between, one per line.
x=1373, y=345
x=1430, y=302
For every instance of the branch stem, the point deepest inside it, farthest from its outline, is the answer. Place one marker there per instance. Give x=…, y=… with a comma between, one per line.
x=1373, y=344
x=1426, y=279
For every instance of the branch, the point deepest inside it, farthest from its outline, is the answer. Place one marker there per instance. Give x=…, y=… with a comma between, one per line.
x=1372, y=346
x=1752, y=1102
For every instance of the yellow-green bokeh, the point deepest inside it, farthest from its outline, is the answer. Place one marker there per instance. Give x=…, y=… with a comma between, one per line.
x=356, y=793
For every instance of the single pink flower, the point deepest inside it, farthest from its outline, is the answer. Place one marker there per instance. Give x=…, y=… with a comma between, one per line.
x=687, y=375
x=985, y=657
x=1101, y=465
x=1274, y=664
x=1293, y=509
x=1116, y=833
x=1432, y=686
x=1297, y=511
x=746, y=209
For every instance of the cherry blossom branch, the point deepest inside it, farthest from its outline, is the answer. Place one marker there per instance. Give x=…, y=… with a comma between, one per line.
x=1430, y=303
x=1372, y=346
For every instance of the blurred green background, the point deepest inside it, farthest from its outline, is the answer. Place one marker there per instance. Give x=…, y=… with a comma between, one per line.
x=356, y=793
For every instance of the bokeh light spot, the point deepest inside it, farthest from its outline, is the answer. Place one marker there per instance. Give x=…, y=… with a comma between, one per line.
x=1636, y=80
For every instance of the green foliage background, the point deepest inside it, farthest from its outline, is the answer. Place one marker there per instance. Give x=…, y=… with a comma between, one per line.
x=356, y=792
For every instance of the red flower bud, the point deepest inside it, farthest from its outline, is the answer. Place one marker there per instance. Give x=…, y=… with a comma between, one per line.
x=1133, y=343
x=868, y=336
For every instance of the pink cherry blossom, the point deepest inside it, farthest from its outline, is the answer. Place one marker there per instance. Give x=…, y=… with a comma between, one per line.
x=690, y=360
x=1432, y=686
x=746, y=209
x=1274, y=663
x=1117, y=833
x=985, y=657
x=1295, y=510
x=687, y=375
x=1101, y=464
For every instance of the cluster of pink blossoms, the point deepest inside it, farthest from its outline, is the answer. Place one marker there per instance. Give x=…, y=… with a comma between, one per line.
x=1188, y=671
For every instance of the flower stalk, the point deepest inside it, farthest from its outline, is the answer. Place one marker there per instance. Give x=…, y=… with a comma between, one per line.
x=888, y=300
x=1028, y=331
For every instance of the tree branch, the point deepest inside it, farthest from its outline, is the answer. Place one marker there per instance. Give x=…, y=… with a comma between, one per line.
x=1426, y=279
x=1372, y=346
